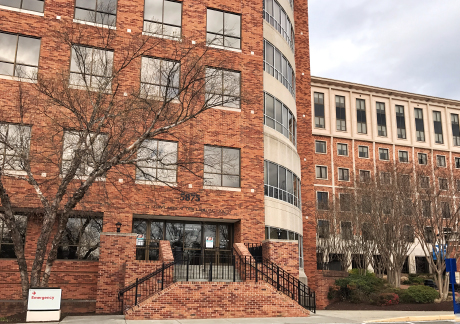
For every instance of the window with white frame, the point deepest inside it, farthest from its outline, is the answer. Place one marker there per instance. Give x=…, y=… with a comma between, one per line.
x=457, y=162
x=384, y=154
x=163, y=17
x=223, y=88
x=346, y=229
x=381, y=119
x=422, y=159
x=344, y=174
x=363, y=152
x=223, y=29
x=437, y=124
x=32, y=5
x=400, y=122
x=345, y=202
x=19, y=55
x=455, y=129
x=342, y=149
x=157, y=161
x=90, y=151
x=320, y=147
x=91, y=68
x=102, y=12
x=322, y=199
x=385, y=178
x=419, y=125
x=323, y=228
x=403, y=156
x=160, y=78
x=321, y=172
x=364, y=176
x=443, y=184
x=340, y=113
x=424, y=182
x=319, y=109
x=14, y=146
x=361, y=116
x=441, y=161
x=221, y=166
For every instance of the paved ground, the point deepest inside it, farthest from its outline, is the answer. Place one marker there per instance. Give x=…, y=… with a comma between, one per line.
x=320, y=317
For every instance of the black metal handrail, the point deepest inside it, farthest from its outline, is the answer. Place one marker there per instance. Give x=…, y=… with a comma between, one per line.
x=256, y=250
x=265, y=270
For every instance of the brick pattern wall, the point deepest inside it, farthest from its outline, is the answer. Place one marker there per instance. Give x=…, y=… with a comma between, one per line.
x=326, y=279
x=284, y=253
x=190, y=300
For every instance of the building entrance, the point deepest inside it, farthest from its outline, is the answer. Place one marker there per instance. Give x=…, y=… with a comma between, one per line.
x=196, y=241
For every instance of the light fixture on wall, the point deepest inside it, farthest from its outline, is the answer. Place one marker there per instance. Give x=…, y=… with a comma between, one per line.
x=118, y=225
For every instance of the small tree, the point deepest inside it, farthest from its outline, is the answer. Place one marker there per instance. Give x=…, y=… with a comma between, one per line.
x=95, y=122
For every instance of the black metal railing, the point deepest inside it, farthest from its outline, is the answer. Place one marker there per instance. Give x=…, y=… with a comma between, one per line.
x=267, y=271
x=206, y=268
x=256, y=250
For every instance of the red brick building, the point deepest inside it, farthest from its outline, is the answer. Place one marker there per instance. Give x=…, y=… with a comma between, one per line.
x=198, y=217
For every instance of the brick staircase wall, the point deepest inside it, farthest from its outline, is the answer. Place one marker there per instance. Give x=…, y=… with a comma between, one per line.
x=196, y=300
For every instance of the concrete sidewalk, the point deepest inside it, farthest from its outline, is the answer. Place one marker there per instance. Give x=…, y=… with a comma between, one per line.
x=322, y=316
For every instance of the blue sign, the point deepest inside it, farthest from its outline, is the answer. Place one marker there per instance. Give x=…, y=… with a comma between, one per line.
x=439, y=249
x=451, y=267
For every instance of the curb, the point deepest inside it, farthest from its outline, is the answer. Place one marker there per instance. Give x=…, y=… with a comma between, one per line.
x=416, y=318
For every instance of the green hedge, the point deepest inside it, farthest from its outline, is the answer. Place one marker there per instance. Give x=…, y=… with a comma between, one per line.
x=418, y=294
x=356, y=288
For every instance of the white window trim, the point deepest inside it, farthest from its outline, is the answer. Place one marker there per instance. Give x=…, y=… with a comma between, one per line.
x=155, y=183
x=89, y=23
x=439, y=184
x=325, y=142
x=178, y=39
x=225, y=48
x=15, y=78
x=456, y=157
x=399, y=160
x=226, y=108
x=437, y=164
x=222, y=188
x=83, y=177
x=30, y=12
x=359, y=157
x=76, y=87
x=316, y=199
x=418, y=158
x=348, y=174
x=338, y=149
x=359, y=174
x=383, y=148
x=380, y=177
x=327, y=172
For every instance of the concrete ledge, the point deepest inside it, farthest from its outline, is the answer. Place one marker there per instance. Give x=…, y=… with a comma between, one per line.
x=416, y=319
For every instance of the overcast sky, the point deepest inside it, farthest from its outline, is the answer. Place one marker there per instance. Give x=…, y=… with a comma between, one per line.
x=407, y=45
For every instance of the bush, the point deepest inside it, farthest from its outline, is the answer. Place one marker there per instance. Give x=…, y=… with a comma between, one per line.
x=418, y=294
x=387, y=299
x=356, y=288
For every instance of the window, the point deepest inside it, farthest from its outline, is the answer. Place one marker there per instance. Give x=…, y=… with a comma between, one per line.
x=345, y=202
x=342, y=149
x=438, y=139
x=340, y=113
x=404, y=181
x=157, y=161
x=381, y=119
x=277, y=65
x=346, y=230
x=223, y=88
x=426, y=208
x=429, y=235
x=281, y=183
x=163, y=17
x=32, y=5
x=148, y=247
x=457, y=182
x=223, y=29
x=361, y=116
x=367, y=232
x=91, y=68
x=221, y=166
x=19, y=55
x=422, y=159
x=457, y=162
x=323, y=228
x=275, y=15
x=319, y=109
x=322, y=199
x=445, y=209
x=443, y=185
x=344, y=174
x=400, y=122
x=278, y=116
x=384, y=154
x=159, y=78
x=363, y=152
x=387, y=205
x=455, y=129
x=403, y=156
x=320, y=146
x=14, y=146
x=99, y=11
x=441, y=161
x=93, y=149
x=366, y=204
x=81, y=239
x=419, y=125
x=408, y=233
x=6, y=243
x=424, y=182
x=385, y=178
x=364, y=176
x=321, y=172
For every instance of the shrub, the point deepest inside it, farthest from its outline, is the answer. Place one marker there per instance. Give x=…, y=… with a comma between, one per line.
x=387, y=299
x=418, y=294
x=356, y=288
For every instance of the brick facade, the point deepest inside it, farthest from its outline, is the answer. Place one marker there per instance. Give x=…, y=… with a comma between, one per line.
x=217, y=300
x=284, y=253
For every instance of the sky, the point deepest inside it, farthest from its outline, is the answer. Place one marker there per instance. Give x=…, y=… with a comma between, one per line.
x=406, y=45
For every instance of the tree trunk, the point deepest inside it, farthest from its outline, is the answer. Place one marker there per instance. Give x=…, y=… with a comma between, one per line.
x=440, y=282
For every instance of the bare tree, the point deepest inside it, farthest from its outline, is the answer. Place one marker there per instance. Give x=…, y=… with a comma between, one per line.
x=91, y=121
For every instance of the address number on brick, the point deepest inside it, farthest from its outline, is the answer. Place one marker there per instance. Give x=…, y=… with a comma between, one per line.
x=189, y=197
